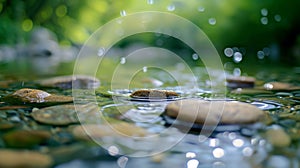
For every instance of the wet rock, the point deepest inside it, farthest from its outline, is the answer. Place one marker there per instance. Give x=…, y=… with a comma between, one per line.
x=278, y=137
x=5, y=125
x=280, y=86
x=240, y=82
x=69, y=82
x=12, y=107
x=154, y=94
x=114, y=129
x=26, y=138
x=249, y=91
x=22, y=158
x=35, y=96
x=56, y=115
x=213, y=112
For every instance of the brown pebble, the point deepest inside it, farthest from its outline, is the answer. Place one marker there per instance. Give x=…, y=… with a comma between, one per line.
x=240, y=82
x=155, y=94
x=278, y=137
x=280, y=86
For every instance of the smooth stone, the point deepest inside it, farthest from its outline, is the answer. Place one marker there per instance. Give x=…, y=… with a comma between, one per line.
x=280, y=86
x=35, y=96
x=222, y=112
x=26, y=138
x=240, y=82
x=69, y=82
x=24, y=158
x=5, y=125
x=278, y=137
x=56, y=115
x=154, y=94
x=88, y=131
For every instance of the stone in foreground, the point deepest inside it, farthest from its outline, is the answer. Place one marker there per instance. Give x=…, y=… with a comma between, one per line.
x=35, y=96
x=154, y=94
x=69, y=82
x=214, y=112
x=24, y=158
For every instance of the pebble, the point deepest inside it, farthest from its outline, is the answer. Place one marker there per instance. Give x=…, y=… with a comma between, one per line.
x=24, y=158
x=56, y=115
x=249, y=91
x=278, y=137
x=26, y=138
x=193, y=110
x=240, y=82
x=35, y=96
x=280, y=86
x=154, y=94
x=69, y=82
x=113, y=129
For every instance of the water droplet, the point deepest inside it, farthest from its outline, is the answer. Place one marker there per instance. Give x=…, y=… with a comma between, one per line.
x=264, y=20
x=145, y=69
x=237, y=72
x=123, y=13
x=201, y=9
x=123, y=60
x=277, y=18
x=213, y=142
x=150, y=2
x=190, y=155
x=237, y=57
x=195, y=56
x=238, y=143
x=247, y=151
x=101, y=52
x=122, y=161
x=193, y=163
x=212, y=21
x=171, y=7
x=264, y=12
x=228, y=52
x=218, y=152
x=113, y=150
x=260, y=55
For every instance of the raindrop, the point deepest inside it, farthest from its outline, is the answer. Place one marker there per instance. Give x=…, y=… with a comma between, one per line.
x=201, y=9
x=144, y=69
x=150, y=2
x=123, y=60
x=237, y=72
x=238, y=143
x=101, y=52
x=171, y=7
x=212, y=21
x=213, y=142
x=237, y=57
x=218, y=152
x=228, y=52
x=192, y=163
x=264, y=12
x=190, y=155
x=123, y=13
x=264, y=20
x=195, y=56
x=122, y=161
x=260, y=55
x=247, y=151
x=277, y=18
x=113, y=150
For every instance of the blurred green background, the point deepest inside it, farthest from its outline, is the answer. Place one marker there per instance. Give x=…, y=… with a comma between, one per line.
x=249, y=26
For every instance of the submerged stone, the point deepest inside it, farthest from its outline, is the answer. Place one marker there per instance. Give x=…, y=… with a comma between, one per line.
x=240, y=82
x=249, y=91
x=24, y=158
x=114, y=129
x=214, y=112
x=278, y=137
x=35, y=96
x=280, y=86
x=154, y=94
x=56, y=115
x=26, y=138
x=69, y=82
